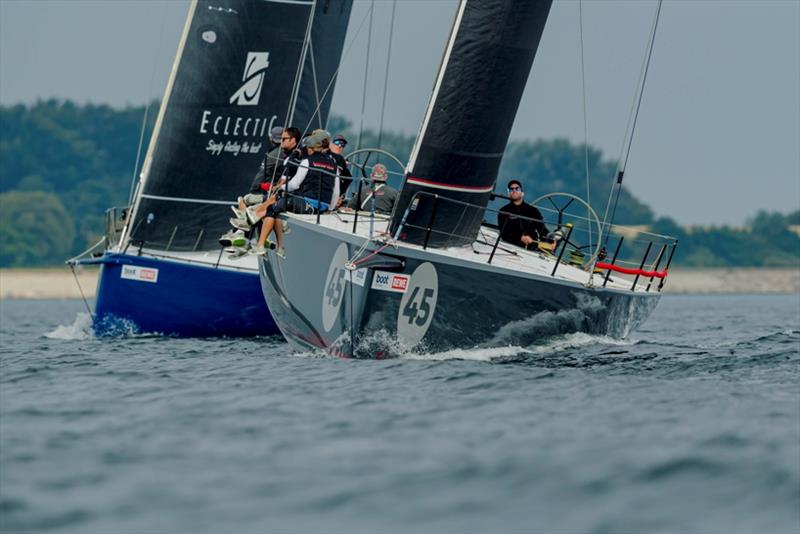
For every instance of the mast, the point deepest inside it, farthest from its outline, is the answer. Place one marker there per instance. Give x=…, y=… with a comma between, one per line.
x=469, y=117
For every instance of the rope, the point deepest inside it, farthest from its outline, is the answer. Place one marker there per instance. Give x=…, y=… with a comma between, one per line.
x=299, y=73
x=85, y=302
x=632, y=119
x=366, y=76
x=146, y=113
x=316, y=86
x=348, y=47
x=386, y=74
x=585, y=121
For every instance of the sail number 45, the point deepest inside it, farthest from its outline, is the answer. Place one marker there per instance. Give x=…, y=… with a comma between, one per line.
x=335, y=287
x=418, y=310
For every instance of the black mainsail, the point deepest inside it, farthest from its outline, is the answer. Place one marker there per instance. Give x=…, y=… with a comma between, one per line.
x=469, y=118
x=235, y=76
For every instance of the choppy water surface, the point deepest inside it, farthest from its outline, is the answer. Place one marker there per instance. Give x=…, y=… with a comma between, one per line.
x=692, y=426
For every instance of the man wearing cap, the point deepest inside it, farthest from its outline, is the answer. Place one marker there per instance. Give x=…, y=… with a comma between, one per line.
x=384, y=195
x=336, y=147
x=520, y=223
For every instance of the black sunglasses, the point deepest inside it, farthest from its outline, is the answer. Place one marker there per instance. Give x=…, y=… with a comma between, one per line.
x=515, y=188
x=340, y=143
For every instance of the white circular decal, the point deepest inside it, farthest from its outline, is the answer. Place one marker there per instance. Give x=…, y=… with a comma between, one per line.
x=210, y=36
x=333, y=293
x=418, y=304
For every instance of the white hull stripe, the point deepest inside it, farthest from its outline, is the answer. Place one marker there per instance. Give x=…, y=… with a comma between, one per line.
x=450, y=187
x=195, y=200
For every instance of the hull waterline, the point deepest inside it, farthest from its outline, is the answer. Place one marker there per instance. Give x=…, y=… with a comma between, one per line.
x=138, y=294
x=426, y=301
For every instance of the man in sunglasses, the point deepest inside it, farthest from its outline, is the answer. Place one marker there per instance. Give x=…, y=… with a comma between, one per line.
x=520, y=223
x=336, y=149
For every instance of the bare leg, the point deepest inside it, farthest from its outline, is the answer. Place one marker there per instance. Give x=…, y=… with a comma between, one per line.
x=279, y=233
x=266, y=229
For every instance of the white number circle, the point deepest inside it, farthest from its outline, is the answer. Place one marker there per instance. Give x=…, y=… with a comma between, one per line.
x=333, y=292
x=418, y=305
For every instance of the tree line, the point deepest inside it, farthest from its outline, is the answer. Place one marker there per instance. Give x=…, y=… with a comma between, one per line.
x=62, y=164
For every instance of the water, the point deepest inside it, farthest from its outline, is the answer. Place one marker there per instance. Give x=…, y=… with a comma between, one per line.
x=691, y=426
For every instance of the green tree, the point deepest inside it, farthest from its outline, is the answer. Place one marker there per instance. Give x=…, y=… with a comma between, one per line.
x=35, y=229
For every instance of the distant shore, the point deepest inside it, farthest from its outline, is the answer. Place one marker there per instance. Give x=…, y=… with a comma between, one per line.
x=59, y=282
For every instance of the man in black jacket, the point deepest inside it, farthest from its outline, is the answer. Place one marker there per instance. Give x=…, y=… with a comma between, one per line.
x=515, y=229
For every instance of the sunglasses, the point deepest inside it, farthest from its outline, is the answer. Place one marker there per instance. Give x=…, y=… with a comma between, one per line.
x=285, y=138
x=340, y=143
x=515, y=189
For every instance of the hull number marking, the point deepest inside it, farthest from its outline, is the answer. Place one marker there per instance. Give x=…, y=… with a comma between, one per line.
x=418, y=305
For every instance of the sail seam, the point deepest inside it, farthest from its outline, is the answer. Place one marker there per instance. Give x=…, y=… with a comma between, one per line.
x=450, y=187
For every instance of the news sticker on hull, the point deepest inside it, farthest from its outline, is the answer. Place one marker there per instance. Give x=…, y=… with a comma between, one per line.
x=386, y=281
x=140, y=274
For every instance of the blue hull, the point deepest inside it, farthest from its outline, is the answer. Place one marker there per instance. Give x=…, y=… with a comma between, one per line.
x=184, y=299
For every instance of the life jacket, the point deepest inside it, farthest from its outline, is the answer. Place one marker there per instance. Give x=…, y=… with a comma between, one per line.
x=320, y=179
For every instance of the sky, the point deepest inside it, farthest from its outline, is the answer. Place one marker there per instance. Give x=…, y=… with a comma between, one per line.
x=718, y=136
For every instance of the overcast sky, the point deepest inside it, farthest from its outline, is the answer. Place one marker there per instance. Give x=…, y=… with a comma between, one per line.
x=719, y=131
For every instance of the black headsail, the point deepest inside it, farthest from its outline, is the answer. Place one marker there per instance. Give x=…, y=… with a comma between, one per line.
x=469, y=118
x=234, y=77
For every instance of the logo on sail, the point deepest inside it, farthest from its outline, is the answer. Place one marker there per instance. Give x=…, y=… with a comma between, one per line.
x=253, y=79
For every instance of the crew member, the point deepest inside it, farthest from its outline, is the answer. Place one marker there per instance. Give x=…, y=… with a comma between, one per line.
x=520, y=223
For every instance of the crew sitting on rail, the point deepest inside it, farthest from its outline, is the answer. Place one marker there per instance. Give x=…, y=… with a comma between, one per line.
x=526, y=232
x=382, y=193
x=314, y=187
x=283, y=141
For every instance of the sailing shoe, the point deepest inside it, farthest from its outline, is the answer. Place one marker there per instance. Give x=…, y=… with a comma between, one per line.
x=258, y=250
x=236, y=211
x=239, y=223
x=281, y=252
x=237, y=252
x=233, y=239
x=250, y=215
x=285, y=227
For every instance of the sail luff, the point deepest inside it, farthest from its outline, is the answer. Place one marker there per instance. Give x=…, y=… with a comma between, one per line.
x=439, y=77
x=148, y=158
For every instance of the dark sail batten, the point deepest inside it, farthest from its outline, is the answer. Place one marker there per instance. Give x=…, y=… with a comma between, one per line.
x=233, y=79
x=465, y=131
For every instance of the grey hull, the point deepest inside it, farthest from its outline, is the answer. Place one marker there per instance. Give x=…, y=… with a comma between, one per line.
x=425, y=301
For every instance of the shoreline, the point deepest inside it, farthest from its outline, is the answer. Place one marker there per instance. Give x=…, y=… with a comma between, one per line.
x=59, y=282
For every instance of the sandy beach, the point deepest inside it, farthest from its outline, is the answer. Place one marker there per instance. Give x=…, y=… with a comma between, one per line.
x=59, y=282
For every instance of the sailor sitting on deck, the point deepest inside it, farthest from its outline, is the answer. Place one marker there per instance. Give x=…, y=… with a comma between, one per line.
x=314, y=187
x=383, y=194
x=518, y=231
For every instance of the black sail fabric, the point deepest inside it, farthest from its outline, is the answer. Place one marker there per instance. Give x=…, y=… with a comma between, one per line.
x=233, y=80
x=469, y=118
x=322, y=63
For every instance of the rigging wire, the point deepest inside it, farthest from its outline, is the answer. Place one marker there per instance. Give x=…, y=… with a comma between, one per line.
x=585, y=123
x=366, y=76
x=316, y=85
x=347, y=49
x=632, y=118
x=134, y=178
x=386, y=74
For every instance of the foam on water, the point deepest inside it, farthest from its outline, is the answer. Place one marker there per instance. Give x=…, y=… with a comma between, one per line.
x=81, y=328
